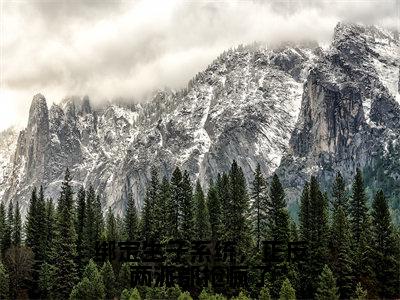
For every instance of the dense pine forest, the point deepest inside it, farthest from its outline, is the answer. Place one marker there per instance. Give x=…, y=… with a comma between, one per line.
x=352, y=251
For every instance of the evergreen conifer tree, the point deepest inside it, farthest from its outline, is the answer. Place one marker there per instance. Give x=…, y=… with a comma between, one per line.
x=4, y=283
x=259, y=212
x=327, y=289
x=80, y=227
x=202, y=224
x=17, y=226
x=215, y=213
x=131, y=220
x=385, y=248
x=65, y=241
x=287, y=291
x=176, y=200
x=108, y=275
x=187, y=209
x=111, y=230
x=3, y=223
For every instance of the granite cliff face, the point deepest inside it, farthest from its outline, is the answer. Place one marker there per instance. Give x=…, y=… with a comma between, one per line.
x=297, y=109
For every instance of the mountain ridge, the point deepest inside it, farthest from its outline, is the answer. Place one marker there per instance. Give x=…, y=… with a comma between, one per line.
x=284, y=108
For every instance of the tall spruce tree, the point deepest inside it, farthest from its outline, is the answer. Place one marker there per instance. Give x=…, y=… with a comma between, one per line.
x=259, y=204
x=31, y=220
x=3, y=223
x=341, y=252
x=361, y=229
x=170, y=226
x=279, y=231
x=176, y=199
x=287, y=292
x=339, y=193
x=215, y=213
x=149, y=214
x=187, y=209
x=238, y=211
x=17, y=226
x=80, y=227
x=278, y=224
x=202, y=221
x=109, y=283
x=224, y=196
x=111, y=228
x=385, y=249
x=8, y=230
x=327, y=289
x=314, y=229
x=131, y=220
x=65, y=241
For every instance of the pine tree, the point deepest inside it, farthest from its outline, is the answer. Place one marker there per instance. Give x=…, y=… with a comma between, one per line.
x=3, y=224
x=327, y=289
x=50, y=231
x=170, y=227
x=8, y=230
x=215, y=213
x=287, y=291
x=339, y=193
x=31, y=220
x=107, y=273
x=17, y=226
x=314, y=229
x=124, y=278
x=176, y=199
x=341, y=253
x=149, y=213
x=238, y=210
x=360, y=226
x=4, y=283
x=98, y=219
x=91, y=286
x=259, y=198
x=360, y=293
x=224, y=196
x=111, y=230
x=131, y=220
x=385, y=249
x=264, y=294
x=187, y=209
x=278, y=215
x=202, y=224
x=80, y=226
x=65, y=241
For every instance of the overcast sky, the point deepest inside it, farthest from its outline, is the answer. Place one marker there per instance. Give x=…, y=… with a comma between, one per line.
x=109, y=48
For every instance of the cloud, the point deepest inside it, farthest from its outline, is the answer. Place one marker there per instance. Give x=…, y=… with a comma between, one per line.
x=110, y=49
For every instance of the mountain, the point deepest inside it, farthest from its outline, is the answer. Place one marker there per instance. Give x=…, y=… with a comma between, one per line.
x=296, y=109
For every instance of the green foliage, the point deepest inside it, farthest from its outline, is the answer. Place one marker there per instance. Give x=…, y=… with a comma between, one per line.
x=327, y=289
x=124, y=278
x=215, y=213
x=108, y=275
x=202, y=221
x=241, y=296
x=360, y=293
x=287, y=291
x=65, y=241
x=187, y=209
x=149, y=222
x=204, y=295
x=4, y=283
x=131, y=220
x=259, y=205
x=91, y=286
x=185, y=296
x=385, y=248
x=17, y=226
x=111, y=227
x=264, y=294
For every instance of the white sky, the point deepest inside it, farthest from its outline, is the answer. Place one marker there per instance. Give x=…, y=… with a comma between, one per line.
x=107, y=48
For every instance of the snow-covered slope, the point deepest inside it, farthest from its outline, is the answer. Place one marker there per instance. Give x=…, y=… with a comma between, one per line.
x=296, y=109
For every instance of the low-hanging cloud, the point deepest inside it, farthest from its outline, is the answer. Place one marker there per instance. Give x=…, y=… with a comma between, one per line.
x=110, y=49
